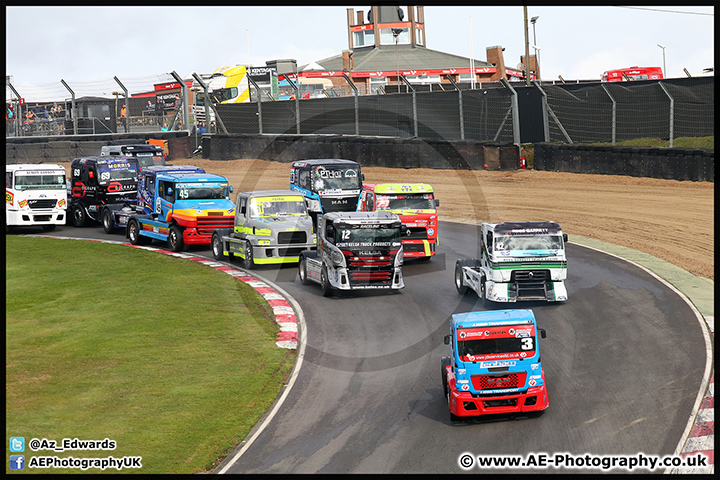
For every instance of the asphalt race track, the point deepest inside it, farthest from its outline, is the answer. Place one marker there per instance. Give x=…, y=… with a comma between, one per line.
x=624, y=359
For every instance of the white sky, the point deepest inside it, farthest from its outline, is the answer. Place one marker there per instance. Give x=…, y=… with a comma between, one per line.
x=88, y=46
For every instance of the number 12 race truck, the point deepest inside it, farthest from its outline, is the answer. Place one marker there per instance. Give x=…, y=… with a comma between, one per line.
x=415, y=204
x=35, y=195
x=355, y=250
x=271, y=227
x=518, y=261
x=494, y=364
x=180, y=206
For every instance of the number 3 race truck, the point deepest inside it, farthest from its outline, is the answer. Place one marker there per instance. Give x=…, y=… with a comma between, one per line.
x=35, y=195
x=180, y=204
x=518, y=261
x=355, y=250
x=415, y=204
x=271, y=227
x=494, y=364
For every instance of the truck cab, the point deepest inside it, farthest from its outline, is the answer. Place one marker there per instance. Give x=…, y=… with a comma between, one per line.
x=328, y=185
x=355, y=250
x=180, y=206
x=146, y=154
x=416, y=206
x=494, y=364
x=518, y=261
x=35, y=195
x=98, y=181
x=271, y=227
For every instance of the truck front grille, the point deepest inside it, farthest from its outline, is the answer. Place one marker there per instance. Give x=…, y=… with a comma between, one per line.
x=530, y=276
x=370, y=277
x=292, y=237
x=491, y=382
x=339, y=204
x=416, y=233
x=207, y=225
x=42, y=203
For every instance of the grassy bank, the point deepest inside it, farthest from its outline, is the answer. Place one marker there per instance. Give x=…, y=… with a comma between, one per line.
x=173, y=360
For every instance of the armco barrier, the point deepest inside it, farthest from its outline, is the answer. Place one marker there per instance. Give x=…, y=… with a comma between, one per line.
x=369, y=151
x=696, y=165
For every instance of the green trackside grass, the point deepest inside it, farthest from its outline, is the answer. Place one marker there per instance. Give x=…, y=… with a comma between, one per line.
x=173, y=360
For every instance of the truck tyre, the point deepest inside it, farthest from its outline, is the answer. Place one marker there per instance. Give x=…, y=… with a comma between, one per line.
x=217, y=247
x=325, y=283
x=78, y=215
x=175, y=239
x=443, y=373
x=134, y=234
x=302, y=270
x=107, y=221
x=249, y=261
x=461, y=288
x=48, y=228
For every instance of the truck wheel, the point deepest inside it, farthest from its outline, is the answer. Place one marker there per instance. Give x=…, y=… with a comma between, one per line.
x=443, y=373
x=107, y=221
x=134, y=234
x=249, y=262
x=327, y=289
x=302, y=270
x=462, y=289
x=217, y=247
x=48, y=228
x=78, y=215
x=175, y=239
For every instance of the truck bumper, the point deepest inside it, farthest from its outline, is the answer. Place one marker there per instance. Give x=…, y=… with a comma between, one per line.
x=418, y=248
x=464, y=404
x=31, y=217
x=340, y=279
x=272, y=254
x=508, y=292
x=192, y=237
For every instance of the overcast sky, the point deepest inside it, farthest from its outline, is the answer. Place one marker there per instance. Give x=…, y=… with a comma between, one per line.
x=88, y=46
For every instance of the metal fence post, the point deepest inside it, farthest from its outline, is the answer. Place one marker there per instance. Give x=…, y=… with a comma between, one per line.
x=259, y=102
x=74, y=112
x=546, y=125
x=414, y=103
x=297, y=103
x=460, y=107
x=672, y=110
x=186, y=106
x=357, y=104
x=515, y=111
x=127, y=105
x=614, y=109
x=18, y=111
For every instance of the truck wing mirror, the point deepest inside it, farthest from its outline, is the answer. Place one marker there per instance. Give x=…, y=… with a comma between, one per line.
x=446, y=340
x=437, y=203
x=231, y=189
x=403, y=229
x=565, y=237
x=542, y=333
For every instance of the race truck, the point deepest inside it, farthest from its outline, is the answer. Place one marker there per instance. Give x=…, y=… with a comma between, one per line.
x=146, y=154
x=328, y=185
x=35, y=195
x=518, y=261
x=416, y=206
x=180, y=207
x=271, y=227
x=355, y=250
x=102, y=189
x=494, y=364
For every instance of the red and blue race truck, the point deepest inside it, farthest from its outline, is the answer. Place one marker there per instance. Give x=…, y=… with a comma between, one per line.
x=180, y=204
x=494, y=364
x=416, y=206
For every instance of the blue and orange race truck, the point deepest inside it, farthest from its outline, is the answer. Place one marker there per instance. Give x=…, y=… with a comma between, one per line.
x=180, y=204
x=494, y=364
x=416, y=206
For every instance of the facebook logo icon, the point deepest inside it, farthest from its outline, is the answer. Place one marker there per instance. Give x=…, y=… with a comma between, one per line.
x=17, y=444
x=17, y=462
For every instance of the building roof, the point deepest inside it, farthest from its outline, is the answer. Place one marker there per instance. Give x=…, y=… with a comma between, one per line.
x=400, y=57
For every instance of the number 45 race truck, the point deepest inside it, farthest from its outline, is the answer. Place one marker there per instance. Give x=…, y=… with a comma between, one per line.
x=518, y=261
x=494, y=364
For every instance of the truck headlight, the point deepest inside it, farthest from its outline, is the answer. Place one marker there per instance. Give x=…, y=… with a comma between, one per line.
x=399, y=258
x=337, y=259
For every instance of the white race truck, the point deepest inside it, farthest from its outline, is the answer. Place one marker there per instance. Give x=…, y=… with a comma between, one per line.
x=35, y=195
x=518, y=261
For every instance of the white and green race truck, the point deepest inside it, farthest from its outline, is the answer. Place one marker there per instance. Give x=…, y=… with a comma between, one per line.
x=518, y=261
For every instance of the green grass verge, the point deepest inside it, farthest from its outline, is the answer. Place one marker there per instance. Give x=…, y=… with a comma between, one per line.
x=173, y=360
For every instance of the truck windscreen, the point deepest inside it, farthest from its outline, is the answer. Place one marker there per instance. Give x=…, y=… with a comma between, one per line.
x=274, y=206
x=336, y=178
x=363, y=237
x=412, y=201
x=490, y=343
x=115, y=172
x=39, y=180
x=527, y=242
x=201, y=191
